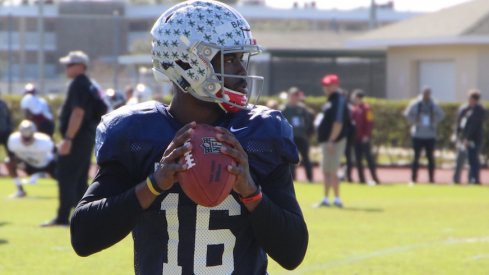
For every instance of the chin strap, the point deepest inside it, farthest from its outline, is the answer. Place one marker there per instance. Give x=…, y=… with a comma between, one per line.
x=236, y=98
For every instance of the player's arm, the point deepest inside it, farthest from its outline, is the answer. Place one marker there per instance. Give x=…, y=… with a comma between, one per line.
x=113, y=203
x=277, y=221
x=107, y=212
x=285, y=241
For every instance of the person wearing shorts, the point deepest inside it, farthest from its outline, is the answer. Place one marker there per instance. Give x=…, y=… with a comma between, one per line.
x=332, y=126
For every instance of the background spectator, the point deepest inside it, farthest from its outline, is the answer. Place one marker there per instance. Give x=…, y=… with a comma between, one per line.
x=142, y=93
x=37, y=110
x=5, y=123
x=301, y=120
x=469, y=137
x=350, y=140
x=423, y=114
x=115, y=98
x=332, y=136
x=363, y=118
x=77, y=127
x=128, y=93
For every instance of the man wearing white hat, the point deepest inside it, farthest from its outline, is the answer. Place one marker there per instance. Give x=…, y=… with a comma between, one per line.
x=77, y=126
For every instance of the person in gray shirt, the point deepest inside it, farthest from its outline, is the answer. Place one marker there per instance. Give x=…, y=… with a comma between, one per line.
x=423, y=114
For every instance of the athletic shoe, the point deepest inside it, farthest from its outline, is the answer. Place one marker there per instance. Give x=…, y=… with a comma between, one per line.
x=338, y=204
x=18, y=194
x=54, y=222
x=322, y=203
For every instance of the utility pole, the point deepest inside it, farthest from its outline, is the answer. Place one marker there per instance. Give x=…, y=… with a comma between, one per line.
x=40, y=48
x=372, y=22
x=9, y=50
x=116, y=49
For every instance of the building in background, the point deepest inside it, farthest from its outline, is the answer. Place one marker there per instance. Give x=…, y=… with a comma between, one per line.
x=116, y=35
x=447, y=50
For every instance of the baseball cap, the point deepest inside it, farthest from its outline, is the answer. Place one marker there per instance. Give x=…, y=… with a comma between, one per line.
x=358, y=93
x=75, y=57
x=294, y=91
x=29, y=88
x=330, y=79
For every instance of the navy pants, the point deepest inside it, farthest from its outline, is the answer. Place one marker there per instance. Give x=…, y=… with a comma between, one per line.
x=362, y=149
x=72, y=173
x=303, y=148
x=428, y=144
x=474, y=164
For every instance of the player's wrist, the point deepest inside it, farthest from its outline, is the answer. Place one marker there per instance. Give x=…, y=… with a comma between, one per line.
x=253, y=197
x=153, y=185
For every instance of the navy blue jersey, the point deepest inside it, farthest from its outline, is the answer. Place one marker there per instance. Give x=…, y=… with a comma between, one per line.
x=176, y=236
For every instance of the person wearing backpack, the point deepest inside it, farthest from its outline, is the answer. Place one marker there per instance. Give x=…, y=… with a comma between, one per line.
x=78, y=120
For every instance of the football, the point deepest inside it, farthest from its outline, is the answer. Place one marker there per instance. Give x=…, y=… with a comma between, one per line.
x=207, y=181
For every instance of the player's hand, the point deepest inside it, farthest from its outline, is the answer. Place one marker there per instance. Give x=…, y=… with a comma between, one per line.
x=64, y=147
x=166, y=175
x=244, y=185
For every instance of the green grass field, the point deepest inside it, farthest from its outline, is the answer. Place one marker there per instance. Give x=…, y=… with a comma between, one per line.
x=392, y=229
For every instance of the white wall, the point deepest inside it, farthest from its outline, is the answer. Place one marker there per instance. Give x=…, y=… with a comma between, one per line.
x=403, y=73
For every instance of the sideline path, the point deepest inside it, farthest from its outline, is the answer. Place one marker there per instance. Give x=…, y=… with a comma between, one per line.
x=389, y=175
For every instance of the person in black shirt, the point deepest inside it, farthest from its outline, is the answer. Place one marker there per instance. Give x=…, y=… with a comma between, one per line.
x=333, y=124
x=199, y=46
x=77, y=127
x=5, y=124
x=301, y=120
x=469, y=137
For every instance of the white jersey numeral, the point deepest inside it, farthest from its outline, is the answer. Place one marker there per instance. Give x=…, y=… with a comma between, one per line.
x=170, y=205
x=203, y=237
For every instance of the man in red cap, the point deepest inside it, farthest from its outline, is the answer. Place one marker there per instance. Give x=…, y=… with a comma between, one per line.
x=332, y=126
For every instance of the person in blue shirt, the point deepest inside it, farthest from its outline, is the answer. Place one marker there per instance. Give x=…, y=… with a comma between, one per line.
x=202, y=47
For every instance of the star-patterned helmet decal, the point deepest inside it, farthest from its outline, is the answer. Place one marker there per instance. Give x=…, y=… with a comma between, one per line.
x=188, y=35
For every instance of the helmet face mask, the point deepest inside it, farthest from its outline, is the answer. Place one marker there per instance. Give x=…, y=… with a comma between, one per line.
x=186, y=40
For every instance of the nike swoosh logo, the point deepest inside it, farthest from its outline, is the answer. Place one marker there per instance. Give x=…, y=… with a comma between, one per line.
x=233, y=130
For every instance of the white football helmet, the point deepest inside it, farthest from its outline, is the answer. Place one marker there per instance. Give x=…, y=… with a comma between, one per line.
x=188, y=36
x=27, y=128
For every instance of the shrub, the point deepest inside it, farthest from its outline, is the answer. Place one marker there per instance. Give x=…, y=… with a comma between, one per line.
x=392, y=129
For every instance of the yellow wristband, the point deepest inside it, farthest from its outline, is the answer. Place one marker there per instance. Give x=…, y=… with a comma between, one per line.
x=151, y=187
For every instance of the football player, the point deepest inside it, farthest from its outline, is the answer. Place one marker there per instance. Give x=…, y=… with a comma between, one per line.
x=30, y=150
x=37, y=110
x=202, y=46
